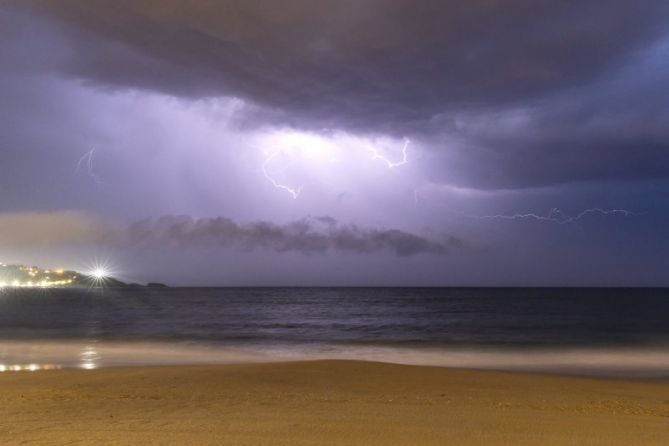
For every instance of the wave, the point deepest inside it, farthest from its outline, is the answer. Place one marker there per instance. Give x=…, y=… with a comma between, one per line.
x=620, y=362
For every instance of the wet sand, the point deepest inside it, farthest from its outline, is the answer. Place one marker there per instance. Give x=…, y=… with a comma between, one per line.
x=327, y=403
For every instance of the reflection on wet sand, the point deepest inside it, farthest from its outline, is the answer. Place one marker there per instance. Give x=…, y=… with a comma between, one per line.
x=92, y=354
x=27, y=367
x=89, y=358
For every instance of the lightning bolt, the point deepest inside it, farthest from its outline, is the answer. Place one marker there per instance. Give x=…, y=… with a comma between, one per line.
x=293, y=192
x=87, y=161
x=389, y=163
x=554, y=216
x=301, y=143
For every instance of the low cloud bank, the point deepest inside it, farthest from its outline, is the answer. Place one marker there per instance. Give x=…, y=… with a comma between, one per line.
x=309, y=235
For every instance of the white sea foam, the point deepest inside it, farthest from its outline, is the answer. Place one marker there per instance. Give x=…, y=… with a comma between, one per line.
x=33, y=356
x=580, y=361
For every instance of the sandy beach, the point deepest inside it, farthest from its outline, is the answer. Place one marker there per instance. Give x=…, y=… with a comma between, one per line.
x=327, y=403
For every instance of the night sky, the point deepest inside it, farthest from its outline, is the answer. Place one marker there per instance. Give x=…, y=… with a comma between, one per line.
x=347, y=142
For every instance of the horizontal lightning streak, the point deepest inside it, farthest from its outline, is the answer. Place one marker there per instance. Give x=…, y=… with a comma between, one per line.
x=555, y=215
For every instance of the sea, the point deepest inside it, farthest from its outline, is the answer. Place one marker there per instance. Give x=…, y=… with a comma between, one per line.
x=583, y=331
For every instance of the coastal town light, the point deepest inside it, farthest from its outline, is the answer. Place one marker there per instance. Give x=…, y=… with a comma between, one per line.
x=99, y=273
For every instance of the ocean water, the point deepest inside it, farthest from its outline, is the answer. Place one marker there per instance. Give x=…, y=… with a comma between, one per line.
x=583, y=331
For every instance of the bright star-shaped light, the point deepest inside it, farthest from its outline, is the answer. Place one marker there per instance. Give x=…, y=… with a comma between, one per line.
x=99, y=273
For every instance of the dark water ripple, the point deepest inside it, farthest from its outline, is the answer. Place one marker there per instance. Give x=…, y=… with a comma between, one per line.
x=375, y=316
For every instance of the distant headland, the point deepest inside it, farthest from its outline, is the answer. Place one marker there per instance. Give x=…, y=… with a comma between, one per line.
x=24, y=276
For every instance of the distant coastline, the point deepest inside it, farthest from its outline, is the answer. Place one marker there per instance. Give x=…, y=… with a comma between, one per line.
x=25, y=276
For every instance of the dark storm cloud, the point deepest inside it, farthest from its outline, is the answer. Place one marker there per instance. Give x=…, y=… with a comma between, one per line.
x=611, y=130
x=371, y=64
x=402, y=67
x=310, y=235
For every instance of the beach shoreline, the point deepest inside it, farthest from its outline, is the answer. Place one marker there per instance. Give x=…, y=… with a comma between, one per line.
x=327, y=402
